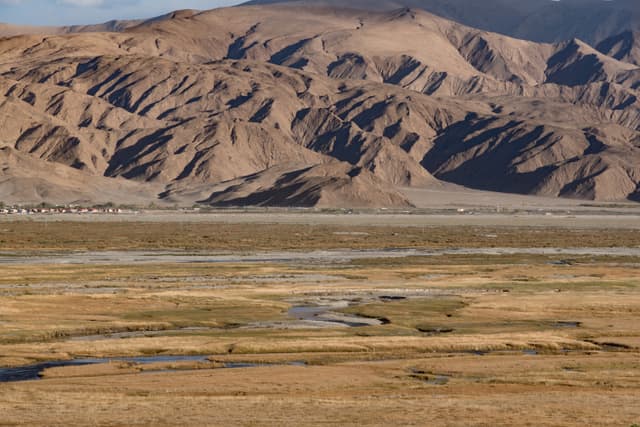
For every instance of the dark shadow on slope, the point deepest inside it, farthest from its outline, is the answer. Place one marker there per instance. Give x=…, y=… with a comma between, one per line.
x=348, y=66
x=486, y=161
x=280, y=57
x=115, y=75
x=237, y=49
x=569, y=67
x=122, y=159
x=239, y=100
x=263, y=112
x=339, y=142
x=595, y=145
x=618, y=46
x=285, y=192
x=408, y=65
x=365, y=120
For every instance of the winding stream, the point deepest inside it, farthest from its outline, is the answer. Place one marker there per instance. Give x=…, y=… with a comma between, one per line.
x=34, y=372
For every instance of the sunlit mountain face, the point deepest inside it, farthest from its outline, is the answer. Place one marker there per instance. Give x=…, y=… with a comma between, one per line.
x=318, y=105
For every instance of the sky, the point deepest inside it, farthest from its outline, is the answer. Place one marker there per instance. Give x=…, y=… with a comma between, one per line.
x=68, y=12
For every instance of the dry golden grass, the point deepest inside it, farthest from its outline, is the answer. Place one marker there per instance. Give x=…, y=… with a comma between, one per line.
x=419, y=369
x=373, y=394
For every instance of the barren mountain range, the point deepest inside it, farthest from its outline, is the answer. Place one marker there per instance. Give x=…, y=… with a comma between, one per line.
x=538, y=20
x=302, y=105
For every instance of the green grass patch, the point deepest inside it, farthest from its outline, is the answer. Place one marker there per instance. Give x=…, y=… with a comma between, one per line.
x=411, y=312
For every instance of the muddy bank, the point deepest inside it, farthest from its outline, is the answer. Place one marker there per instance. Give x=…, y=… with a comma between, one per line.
x=325, y=315
x=140, y=334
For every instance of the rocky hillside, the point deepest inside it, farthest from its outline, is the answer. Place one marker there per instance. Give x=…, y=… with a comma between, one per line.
x=275, y=105
x=624, y=47
x=537, y=20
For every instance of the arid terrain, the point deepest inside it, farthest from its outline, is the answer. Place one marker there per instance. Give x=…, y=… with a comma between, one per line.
x=280, y=318
x=537, y=20
x=312, y=105
x=396, y=213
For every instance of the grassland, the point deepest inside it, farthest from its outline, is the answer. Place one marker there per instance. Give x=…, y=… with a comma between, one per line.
x=70, y=235
x=465, y=339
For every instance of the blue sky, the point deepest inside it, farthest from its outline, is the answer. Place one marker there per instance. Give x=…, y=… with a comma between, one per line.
x=66, y=12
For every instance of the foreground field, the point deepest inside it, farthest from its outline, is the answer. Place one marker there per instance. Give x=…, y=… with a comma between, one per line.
x=316, y=336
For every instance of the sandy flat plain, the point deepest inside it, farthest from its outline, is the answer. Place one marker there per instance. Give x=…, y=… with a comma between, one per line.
x=569, y=219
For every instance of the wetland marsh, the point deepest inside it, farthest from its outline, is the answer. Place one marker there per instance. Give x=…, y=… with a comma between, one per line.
x=535, y=326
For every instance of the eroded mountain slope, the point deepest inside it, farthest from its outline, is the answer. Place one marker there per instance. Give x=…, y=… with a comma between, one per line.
x=536, y=20
x=323, y=106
